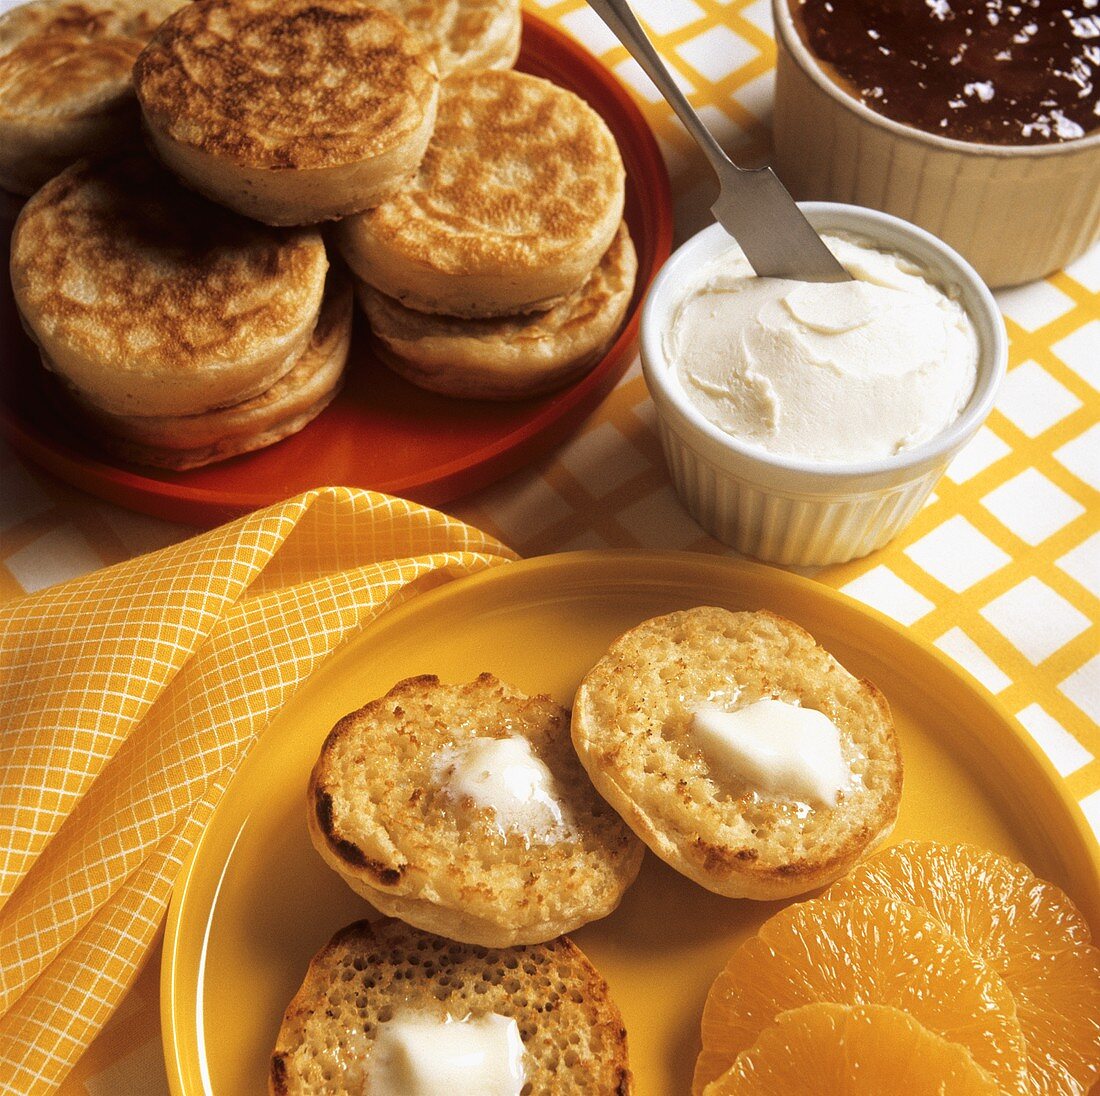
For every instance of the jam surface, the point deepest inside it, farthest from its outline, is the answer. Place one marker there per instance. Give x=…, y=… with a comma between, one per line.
x=1006, y=72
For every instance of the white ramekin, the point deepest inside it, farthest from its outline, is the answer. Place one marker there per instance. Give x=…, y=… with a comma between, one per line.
x=803, y=513
x=1016, y=212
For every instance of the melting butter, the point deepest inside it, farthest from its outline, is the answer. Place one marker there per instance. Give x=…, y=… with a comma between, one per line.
x=504, y=774
x=416, y=1054
x=780, y=749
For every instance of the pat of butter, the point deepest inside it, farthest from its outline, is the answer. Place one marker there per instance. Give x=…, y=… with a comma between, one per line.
x=505, y=775
x=416, y=1054
x=780, y=749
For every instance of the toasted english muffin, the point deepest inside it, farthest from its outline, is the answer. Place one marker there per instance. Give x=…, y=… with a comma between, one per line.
x=65, y=88
x=574, y=1042
x=517, y=198
x=631, y=727
x=151, y=301
x=384, y=813
x=289, y=111
x=514, y=357
x=464, y=35
x=179, y=442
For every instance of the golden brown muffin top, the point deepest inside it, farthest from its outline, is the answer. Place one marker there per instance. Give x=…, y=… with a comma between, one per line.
x=464, y=34
x=310, y=376
x=518, y=171
x=378, y=797
x=285, y=83
x=121, y=265
x=632, y=721
x=67, y=57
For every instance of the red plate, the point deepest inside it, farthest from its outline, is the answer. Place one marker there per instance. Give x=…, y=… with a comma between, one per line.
x=381, y=432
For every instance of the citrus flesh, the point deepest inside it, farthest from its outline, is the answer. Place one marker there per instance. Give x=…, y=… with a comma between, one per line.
x=852, y=1050
x=863, y=952
x=1026, y=929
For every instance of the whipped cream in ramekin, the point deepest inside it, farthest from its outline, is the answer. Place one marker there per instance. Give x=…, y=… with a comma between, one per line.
x=834, y=372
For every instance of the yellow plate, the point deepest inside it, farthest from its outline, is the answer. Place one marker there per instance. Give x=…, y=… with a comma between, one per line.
x=255, y=901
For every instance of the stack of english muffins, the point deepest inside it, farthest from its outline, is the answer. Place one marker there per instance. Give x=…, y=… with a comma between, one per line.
x=181, y=332
x=180, y=156
x=504, y=267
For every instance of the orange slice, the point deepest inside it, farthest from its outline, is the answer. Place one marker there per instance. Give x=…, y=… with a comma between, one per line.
x=868, y=952
x=843, y=1050
x=1027, y=930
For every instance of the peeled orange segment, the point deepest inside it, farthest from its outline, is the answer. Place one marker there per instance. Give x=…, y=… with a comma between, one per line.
x=995, y=905
x=866, y=952
x=844, y=1050
x=1027, y=930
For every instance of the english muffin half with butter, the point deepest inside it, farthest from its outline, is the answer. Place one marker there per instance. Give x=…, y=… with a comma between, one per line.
x=515, y=202
x=289, y=111
x=65, y=88
x=464, y=35
x=151, y=301
x=741, y=752
x=514, y=357
x=179, y=442
x=388, y=1009
x=462, y=809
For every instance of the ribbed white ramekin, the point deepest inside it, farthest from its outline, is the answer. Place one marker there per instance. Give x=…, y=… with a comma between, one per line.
x=1016, y=212
x=805, y=513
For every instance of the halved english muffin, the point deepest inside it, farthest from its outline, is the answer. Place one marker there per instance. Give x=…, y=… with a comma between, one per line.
x=463, y=810
x=741, y=752
x=386, y=1008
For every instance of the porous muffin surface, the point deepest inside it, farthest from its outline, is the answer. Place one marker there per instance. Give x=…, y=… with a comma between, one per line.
x=119, y=266
x=519, y=174
x=573, y=1036
x=632, y=729
x=380, y=813
x=286, y=83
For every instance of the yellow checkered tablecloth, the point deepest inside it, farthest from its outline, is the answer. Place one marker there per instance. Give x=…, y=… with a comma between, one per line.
x=1001, y=570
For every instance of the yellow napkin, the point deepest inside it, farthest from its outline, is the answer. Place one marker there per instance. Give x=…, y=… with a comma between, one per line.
x=127, y=700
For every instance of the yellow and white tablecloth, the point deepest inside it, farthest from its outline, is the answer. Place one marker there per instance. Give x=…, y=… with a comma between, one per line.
x=1001, y=570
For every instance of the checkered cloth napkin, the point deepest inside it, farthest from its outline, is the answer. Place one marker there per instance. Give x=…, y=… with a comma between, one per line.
x=129, y=697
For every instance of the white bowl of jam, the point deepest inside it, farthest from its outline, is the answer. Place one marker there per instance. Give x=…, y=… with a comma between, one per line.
x=976, y=119
x=787, y=438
